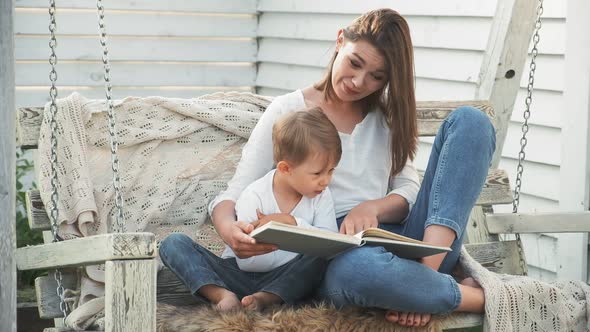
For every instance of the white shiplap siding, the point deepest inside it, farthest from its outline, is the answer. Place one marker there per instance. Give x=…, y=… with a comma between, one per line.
x=173, y=48
x=296, y=39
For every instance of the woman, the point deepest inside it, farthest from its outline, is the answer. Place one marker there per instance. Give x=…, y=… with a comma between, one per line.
x=368, y=94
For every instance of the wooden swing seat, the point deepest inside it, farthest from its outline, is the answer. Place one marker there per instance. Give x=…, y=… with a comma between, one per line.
x=133, y=286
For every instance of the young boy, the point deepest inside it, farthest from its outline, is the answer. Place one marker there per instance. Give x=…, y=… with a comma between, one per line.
x=306, y=149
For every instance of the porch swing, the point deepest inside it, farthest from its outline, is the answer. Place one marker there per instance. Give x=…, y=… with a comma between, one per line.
x=132, y=284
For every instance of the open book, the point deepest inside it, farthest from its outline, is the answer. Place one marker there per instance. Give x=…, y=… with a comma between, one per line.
x=327, y=244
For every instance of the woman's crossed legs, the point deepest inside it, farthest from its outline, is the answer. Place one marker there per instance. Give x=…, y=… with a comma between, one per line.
x=372, y=277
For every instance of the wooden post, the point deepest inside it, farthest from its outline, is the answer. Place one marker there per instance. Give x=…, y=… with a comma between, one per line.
x=7, y=170
x=499, y=81
x=575, y=143
x=130, y=295
x=504, y=59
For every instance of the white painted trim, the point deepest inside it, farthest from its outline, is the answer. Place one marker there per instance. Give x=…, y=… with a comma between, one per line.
x=575, y=182
x=7, y=170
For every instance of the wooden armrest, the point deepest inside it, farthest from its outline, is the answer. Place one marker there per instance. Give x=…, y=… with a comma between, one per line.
x=87, y=251
x=558, y=222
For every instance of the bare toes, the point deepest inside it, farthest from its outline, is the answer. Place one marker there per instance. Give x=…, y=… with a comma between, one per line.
x=249, y=302
x=403, y=318
x=410, y=319
x=424, y=319
x=392, y=316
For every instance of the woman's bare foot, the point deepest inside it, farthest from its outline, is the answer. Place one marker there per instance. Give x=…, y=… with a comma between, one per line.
x=407, y=318
x=470, y=282
x=260, y=300
x=472, y=298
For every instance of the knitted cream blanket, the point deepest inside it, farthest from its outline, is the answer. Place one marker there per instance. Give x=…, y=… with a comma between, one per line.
x=175, y=156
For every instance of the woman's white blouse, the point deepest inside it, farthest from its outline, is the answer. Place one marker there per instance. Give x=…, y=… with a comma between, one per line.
x=361, y=175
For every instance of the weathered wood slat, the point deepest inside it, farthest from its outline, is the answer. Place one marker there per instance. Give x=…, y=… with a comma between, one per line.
x=476, y=230
x=430, y=116
x=496, y=189
x=87, y=250
x=172, y=291
x=46, y=290
x=461, y=320
x=499, y=257
x=130, y=295
x=36, y=214
x=562, y=222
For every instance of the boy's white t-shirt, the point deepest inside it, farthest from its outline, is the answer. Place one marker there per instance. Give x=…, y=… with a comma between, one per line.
x=363, y=172
x=317, y=212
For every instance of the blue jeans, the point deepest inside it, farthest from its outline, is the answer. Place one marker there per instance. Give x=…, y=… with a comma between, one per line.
x=456, y=172
x=196, y=267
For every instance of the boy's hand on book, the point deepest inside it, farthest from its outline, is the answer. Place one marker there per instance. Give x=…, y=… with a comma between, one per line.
x=361, y=217
x=245, y=246
x=263, y=219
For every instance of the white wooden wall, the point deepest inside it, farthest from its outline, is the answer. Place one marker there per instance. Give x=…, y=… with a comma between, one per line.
x=188, y=48
x=171, y=48
x=296, y=39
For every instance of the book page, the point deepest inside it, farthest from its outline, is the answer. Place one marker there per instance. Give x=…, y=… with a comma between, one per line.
x=380, y=233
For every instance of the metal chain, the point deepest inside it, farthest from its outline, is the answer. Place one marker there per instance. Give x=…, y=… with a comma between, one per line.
x=54, y=215
x=119, y=225
x=527, y=111
x=525, y=125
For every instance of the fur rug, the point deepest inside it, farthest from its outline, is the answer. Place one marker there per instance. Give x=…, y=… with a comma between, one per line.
x=312, y=317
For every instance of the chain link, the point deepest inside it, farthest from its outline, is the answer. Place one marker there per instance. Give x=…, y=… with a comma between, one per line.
x=525, y=129
x=54, y=215
x=119, y=225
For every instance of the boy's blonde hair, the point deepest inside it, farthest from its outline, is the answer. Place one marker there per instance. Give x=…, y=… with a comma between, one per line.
x=298, y=135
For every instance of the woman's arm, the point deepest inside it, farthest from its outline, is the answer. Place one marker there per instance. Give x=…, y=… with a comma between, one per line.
x=392, y=208
x=389, y=209
x=235, y=233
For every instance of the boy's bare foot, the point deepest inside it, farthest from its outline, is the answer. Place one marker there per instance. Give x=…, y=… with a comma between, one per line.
x=228, y=302
x=260, y=300
x=407, y=318
x=221, y=298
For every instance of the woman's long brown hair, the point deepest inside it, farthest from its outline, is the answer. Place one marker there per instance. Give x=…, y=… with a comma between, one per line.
x=388, y=32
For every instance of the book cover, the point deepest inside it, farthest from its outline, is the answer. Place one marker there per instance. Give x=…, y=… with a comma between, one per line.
x=327, y=244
